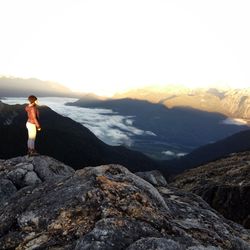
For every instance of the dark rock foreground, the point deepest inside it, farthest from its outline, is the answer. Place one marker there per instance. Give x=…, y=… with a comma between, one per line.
x=224, y=184
x=47, y=205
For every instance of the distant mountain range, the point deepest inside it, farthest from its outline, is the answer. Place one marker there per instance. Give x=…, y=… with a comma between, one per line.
x=230, y=102
x=172, y=131
x=65, y=140
x=18, y=87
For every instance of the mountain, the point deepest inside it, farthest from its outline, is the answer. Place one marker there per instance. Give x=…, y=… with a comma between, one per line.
x=154, y=93
x=168, y=132
x=233, y=103
x=18, y=87
x=238, y=142
x=65, y=140
x=48, y=205
x=224, y=184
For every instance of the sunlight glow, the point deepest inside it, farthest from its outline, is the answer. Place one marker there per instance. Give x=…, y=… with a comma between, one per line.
x=111, y=46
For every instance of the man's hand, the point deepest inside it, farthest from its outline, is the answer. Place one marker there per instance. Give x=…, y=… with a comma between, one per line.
x=39, y=129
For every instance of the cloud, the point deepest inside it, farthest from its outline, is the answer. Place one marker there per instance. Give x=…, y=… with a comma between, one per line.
x=173, y=154
x=168, y=153
x=234, y=121
x=181, y=154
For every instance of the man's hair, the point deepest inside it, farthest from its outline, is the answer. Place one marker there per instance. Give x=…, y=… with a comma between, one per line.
x=32, y=98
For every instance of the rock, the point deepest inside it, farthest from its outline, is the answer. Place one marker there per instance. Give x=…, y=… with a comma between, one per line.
x=224, y=184
x=115, y=233
x=108, y=207
x=31, y=178
x=46, y=168
x=154, y=177
x=19, y=172
x=7, y=189
x=155, y=244
x=23, y=175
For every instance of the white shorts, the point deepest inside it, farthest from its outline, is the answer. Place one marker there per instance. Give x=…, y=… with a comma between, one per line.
x=31, y=130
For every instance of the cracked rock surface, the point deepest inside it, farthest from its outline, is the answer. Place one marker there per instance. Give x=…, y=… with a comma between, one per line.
x=104, y=207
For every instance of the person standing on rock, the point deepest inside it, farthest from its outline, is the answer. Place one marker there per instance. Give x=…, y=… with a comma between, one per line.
x=32, y=124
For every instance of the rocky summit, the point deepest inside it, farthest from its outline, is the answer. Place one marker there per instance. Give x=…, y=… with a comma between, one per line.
x=224, y=184
x=47, y=205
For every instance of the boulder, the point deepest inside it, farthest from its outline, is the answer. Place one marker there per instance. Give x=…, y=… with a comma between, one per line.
x=154, y=177
x=20, y=172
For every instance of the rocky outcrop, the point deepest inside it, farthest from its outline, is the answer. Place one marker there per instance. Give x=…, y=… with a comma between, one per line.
x=224, y=184
x=105, y=207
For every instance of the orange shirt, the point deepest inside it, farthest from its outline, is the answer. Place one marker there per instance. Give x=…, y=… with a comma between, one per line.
x=33, y=114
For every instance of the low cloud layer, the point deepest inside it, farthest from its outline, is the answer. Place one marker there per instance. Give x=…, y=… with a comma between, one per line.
x=234, y=121
x=173, y=154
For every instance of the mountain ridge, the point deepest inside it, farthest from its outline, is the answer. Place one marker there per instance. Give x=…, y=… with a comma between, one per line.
x=238, y=142
x=234, y=103
x=20, y=87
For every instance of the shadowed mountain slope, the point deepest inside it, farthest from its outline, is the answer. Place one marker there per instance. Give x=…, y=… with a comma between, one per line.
x=238, y=142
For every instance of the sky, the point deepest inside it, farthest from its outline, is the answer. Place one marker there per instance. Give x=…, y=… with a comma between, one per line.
x=114, y=45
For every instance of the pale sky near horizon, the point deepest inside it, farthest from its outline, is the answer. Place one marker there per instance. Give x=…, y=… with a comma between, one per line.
x=110, y=46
